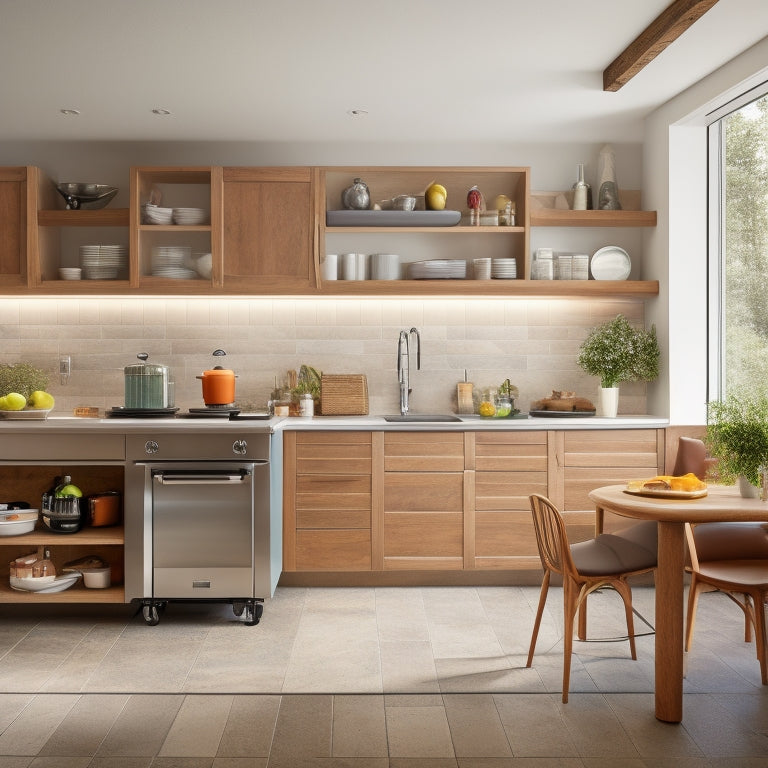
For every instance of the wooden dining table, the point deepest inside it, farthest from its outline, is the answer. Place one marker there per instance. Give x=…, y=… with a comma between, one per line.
x=721, y=504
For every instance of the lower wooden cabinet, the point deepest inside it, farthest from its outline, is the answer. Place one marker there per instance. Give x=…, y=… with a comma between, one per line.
x=397, y=501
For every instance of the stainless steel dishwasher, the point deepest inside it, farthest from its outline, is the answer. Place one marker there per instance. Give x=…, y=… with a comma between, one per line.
x=206, y=524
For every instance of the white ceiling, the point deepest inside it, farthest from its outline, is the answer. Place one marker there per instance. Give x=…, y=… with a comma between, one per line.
x=289, y=70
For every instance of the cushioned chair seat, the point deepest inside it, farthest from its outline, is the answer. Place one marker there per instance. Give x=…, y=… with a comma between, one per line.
x=634, y=549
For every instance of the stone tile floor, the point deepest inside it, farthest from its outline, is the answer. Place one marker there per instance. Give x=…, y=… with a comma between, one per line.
x=367, y=677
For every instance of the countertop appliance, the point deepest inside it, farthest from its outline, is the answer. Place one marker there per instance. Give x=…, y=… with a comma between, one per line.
x=207, y=527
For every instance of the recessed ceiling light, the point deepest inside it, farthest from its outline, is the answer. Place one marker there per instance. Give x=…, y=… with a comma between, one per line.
x=161, y=111
x=69, y=111
x=357, y=112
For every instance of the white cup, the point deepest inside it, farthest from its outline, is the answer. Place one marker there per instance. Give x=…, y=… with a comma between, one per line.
x=361, y=266
x=482, y=269
x=348, y=266
x=385, y=266
x=329, y=268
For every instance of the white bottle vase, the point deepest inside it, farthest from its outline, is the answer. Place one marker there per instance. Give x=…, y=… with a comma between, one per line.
x=609, y=402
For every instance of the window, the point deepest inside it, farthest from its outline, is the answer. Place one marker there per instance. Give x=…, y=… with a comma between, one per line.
x=738, y=142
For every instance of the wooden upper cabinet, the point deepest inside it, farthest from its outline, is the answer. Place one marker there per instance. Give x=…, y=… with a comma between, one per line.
x=15, y=189
x=269, y=224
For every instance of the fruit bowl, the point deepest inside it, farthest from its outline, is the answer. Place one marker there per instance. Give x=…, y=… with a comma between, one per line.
x=86, y=196
x=27, y=413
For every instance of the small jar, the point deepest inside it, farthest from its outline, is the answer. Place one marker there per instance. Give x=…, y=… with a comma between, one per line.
x=306, y=406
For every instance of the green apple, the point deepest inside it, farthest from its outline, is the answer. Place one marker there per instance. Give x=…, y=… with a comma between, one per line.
x=14, y=401
x=40, y=400
x=69, y=490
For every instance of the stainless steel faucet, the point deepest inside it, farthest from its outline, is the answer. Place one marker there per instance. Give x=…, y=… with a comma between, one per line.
x=404, y=365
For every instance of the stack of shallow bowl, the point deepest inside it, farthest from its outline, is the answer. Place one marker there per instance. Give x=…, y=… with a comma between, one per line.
x=172, y=261
x=437, y=269
x=102, y=262
x=153, y=214
x=504, y=269
x=189, y=216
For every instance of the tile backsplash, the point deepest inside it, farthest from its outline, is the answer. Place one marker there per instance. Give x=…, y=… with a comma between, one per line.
x=533, y=342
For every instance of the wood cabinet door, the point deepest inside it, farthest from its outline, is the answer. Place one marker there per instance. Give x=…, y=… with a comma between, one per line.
x=509, y=466
x=269, y=223
x=13, y=226
x=423, y=507
x=327, y=501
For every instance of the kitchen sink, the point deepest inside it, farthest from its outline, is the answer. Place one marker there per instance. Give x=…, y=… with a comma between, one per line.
x=422, y=417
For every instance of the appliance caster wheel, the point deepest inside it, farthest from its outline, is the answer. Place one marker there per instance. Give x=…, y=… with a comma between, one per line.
x=151, y=613
x=238, y=608
x=253, y=613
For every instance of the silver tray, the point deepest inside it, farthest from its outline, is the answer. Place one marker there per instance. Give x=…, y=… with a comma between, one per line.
x=353, y=218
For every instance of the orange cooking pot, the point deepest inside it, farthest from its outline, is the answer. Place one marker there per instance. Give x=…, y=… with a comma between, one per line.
x=218, y=386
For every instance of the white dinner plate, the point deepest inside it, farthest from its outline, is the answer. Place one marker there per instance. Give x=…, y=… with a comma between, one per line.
x=610, y=263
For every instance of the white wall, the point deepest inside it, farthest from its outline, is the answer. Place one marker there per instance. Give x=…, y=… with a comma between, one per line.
x=675, y=184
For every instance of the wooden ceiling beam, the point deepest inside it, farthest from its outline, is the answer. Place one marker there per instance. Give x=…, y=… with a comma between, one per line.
x=663, y=30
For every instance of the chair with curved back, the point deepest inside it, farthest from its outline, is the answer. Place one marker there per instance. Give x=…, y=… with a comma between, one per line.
x=729, y=557
x=606, y=560
x=733, y=558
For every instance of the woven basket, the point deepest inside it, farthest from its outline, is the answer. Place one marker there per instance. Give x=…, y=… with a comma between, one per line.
x=344, y=395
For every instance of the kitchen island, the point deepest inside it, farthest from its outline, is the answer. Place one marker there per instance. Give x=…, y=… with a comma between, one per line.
x=354, y=499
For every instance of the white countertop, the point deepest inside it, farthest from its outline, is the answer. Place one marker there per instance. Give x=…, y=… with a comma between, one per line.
x=467, y=423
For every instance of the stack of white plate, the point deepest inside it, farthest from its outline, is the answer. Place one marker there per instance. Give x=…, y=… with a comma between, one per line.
x=70, y=273
x=505, y=269
x=580, y=270
x=153, y=214
x=438, y=269
x=189, y=216
x=172, y=261
x=102, y=262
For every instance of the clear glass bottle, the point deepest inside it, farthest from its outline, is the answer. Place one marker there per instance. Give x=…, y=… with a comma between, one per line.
x=580, y=191
x=306, y=406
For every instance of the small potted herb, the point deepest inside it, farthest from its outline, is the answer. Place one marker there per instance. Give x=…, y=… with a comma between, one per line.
x=737, y=436
x=616, y=352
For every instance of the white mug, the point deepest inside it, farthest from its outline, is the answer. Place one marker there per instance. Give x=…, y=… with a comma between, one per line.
x=329, y=269
x=349, y=266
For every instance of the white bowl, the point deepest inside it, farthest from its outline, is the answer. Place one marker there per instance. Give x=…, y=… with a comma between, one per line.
x=17, y=527
x=156, y=215
x=70, y=273
x=97, y=578
x=189, y=216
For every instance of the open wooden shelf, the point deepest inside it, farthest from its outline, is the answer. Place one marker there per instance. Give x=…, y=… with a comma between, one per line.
x=555, y=217
x=106, y=217
x=486, y=288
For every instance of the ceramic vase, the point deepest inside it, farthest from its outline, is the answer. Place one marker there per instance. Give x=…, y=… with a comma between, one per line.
x=747, y=490
x=609, y=402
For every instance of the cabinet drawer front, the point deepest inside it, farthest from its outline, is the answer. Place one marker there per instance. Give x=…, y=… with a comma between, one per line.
x=506, y=534
x=611, y=448
x=333, y=518
x=333, y=438
x=426, y=451
x=63, y=447
x=333, y=485
x=331, y=550
x=423, y=534
x=333, y=452
x=579, y=481
x=498, y=439
x=334, y=465
x=423, y=492
x=508, y=490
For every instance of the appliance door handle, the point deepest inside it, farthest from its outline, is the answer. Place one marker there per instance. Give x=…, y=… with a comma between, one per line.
x=201, y=477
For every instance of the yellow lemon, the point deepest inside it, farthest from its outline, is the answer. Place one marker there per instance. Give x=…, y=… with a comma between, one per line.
x=486, y=408
x=435, y=197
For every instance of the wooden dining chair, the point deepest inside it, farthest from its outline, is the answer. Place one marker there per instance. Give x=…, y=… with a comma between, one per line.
x=604, y=561
x=732, y=558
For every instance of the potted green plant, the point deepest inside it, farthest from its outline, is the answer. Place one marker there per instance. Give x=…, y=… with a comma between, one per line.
x=737, y=436
x=616, y=352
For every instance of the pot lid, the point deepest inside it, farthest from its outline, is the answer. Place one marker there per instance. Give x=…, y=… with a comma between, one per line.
x=218, y=371
x=143, y=368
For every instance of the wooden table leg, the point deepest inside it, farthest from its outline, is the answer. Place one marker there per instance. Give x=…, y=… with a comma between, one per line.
x=669, y=623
